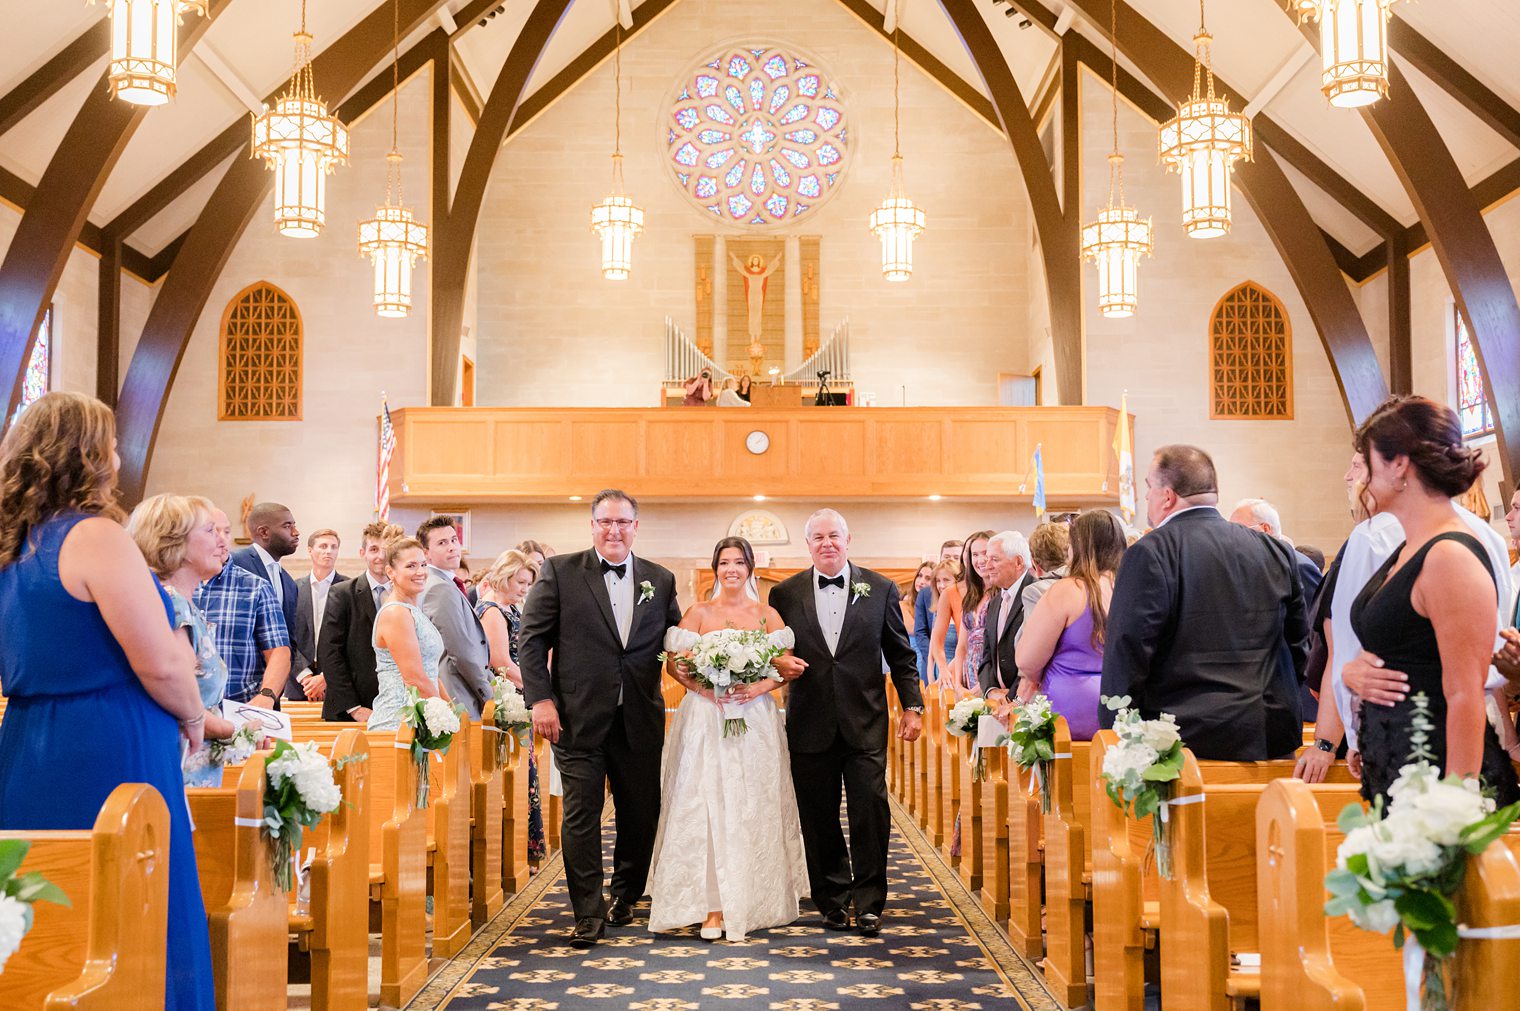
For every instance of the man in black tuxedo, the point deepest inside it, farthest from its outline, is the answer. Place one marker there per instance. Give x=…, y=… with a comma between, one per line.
x=846, y=620
x=344, y=647
x=275, y=536
x=312, y=593
x=1009, y=572
x=1202, y=611
x=593, y=628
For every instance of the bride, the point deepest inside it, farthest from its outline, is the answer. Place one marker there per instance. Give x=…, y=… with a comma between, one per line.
x=728, y=852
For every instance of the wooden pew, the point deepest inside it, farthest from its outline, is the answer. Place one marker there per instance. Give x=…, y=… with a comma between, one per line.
x=552, y=805
x=487, y=814
x=106, y=952
x=1026, y=858
x=514, y=821
x=947, y=759
x=1069, y=834
x=995, y=865
x=246, y=910
x=970, y=866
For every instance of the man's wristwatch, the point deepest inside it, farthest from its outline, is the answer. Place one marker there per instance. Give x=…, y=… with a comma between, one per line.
x=1324, y=745
x=914, y=709
x=266, y=691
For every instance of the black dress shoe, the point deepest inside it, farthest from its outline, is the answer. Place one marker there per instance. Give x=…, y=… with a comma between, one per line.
x=836, y=919
x=588, y=931
x=620, y=913
x=869, y=924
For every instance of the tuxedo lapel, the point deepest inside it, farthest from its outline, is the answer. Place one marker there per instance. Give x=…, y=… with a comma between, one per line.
x=810, y=607
x=598, y=587
x=364, y=594
x=638, y=575
x=851, y=606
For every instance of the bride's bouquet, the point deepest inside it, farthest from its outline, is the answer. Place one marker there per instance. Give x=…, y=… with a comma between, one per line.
x=512, y=717
x=721, y=660
x=434, y=722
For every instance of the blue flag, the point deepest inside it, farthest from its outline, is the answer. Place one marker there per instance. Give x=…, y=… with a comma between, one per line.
x=1039, y=483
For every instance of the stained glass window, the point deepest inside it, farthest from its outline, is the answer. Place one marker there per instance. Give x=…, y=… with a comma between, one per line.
x=1477, y=417
x=39, y=370
x=765, y=133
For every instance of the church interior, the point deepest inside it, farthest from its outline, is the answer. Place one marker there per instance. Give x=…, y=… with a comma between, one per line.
x=944, y=266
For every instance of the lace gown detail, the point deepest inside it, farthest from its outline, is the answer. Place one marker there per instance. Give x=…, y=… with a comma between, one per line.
x=729, y=837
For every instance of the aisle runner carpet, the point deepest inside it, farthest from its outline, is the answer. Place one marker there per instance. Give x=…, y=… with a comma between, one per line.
x=937, y=951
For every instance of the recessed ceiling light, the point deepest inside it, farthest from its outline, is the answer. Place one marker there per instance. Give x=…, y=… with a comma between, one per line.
x=934, y=498
x=759, y=498
x=575, y=498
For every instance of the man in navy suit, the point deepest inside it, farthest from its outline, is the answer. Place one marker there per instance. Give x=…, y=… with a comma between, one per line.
x=275, y=536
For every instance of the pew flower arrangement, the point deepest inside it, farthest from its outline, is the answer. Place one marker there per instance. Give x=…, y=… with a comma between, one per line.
x=17, y=893
x=1399, y=870
x=1138, y=771
x=434, y=723
x=723, y=659
x=1032, y=743
x=512, y=717
x=298, y=791
x=965, y=720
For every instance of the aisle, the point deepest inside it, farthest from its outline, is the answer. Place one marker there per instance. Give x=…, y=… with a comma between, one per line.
x=937, y=951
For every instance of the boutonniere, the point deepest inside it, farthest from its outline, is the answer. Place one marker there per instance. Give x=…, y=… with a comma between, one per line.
x=646, y=591
x=859, y=590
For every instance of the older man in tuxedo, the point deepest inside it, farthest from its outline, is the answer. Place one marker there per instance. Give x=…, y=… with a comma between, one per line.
x=1201, y=612
x=345, y=644
x=1009, y=565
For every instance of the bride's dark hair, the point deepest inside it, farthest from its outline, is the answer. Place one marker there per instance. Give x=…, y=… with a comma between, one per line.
x=744, y=549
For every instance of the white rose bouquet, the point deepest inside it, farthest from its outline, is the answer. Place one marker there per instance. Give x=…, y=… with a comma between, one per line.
x=17, y=893
x=725, y=659
x=1399, y=870
x=298, y=791
x=1032, y=743
x=965, y=720
x=512, y=717
x=1139, y=770
x=434, y=722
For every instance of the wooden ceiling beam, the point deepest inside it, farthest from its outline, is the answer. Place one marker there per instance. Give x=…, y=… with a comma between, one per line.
x=1454, y=79
x=47, y=80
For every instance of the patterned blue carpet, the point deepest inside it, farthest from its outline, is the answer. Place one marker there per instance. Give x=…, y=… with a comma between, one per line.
x=936, y=952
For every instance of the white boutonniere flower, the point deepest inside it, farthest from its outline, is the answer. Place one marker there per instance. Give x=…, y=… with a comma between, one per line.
x=646, y=591
x=859, y=590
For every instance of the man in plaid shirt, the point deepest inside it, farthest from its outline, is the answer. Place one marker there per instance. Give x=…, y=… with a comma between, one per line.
x=247, y=626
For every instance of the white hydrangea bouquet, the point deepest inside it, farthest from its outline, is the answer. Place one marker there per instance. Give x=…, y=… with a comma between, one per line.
x=17, y=893
x=512, y=717
x=234, y=750
x=298, y=791
x=1139, y=770
x=722, y=660
x=1399, y=870
x=434, y=722
x=965, y=720
x=1031, y=742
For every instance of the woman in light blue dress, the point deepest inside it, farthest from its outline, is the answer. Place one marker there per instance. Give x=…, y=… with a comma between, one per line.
x=407, y=646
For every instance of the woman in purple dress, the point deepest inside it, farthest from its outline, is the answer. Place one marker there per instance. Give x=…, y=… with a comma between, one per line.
x=1060, y=652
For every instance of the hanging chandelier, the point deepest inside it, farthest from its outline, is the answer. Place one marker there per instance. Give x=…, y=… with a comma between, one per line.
x=144, y=39
x=393, y=239
x=897, y=222
x=302, y=143
x=1353, y=48
x=1119, y=238
x=617, y=220
x=1202, y=143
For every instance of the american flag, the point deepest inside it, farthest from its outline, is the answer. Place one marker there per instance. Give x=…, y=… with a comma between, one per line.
x=383, y=469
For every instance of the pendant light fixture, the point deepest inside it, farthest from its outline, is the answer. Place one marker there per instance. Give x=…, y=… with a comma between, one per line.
x=393, y=239
x=897, y=222
x=1119, y=238
x=617, y=220
x=1353, y=48
x=1202, y=143
x=144, y=40
x=302, y=143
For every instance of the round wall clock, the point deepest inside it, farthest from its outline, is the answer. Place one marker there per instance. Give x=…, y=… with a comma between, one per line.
x=757, y=442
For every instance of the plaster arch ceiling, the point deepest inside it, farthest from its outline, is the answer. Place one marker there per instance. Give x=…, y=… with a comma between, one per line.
x=245, y=57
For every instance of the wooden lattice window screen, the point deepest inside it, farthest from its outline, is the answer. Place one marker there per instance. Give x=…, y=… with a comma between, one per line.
x=260, y=364
x=1250, y=356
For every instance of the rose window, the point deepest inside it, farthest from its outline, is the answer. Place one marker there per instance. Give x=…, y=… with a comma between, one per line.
x=757, y=137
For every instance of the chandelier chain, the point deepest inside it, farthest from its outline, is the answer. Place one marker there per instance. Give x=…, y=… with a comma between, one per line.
x=896, y=95
x=617, y=89
x=1115, y=159
x=393, y=167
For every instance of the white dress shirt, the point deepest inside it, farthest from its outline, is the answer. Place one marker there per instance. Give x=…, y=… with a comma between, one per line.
x=319, y=590
x=620, y=590
x=831, y=602
x=273, y=571
x=1189, y=509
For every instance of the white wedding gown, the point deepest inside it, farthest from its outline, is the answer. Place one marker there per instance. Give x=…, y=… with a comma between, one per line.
x=729, y=837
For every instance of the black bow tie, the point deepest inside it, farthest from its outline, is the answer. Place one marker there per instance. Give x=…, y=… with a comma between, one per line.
x=620, y=569
x=827, y=581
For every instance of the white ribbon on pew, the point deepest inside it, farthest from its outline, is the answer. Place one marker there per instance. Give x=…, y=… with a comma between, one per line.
x=1508, y=932
x=407, y=747
x=1414, y=955
x=1166, y=805
x=1034, y=780
x=248, y=822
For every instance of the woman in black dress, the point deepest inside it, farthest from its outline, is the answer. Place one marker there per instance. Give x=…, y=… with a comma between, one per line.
x=1431, y=611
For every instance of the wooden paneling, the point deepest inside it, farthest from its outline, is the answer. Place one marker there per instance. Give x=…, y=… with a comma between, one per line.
x=462, y=455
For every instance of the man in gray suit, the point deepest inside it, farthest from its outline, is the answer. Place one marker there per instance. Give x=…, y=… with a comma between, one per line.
x=464, y=668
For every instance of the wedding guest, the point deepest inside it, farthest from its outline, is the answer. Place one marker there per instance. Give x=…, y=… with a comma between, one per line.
x=946, y=575
x=728, y=396
x=1259, y=514
x=247, y=626
x=1049, y=555
x=178, y=538
x=1061, y=653
x=1200, y=611
x=537, y=551
x=965, y=605
x=921, y=580
x=275, y=537
x=408, y=647
x=698, y=390
x=1008, y=579
x=1315, y=555
x=446, y=602
x=745, y=386
x=346, y=645
x=95, y=678
x=924, y=602
x=312, y=594
x=502, y=592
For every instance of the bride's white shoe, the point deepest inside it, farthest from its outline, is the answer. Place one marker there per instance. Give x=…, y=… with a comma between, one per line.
x=711, y=933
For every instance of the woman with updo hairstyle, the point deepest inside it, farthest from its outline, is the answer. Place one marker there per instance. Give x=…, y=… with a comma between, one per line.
x=407, y=645
x=1431, y=612
x=99, y=689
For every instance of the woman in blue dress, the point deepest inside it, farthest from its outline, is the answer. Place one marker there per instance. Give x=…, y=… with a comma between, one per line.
x=407, y=645
x=99, y=689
